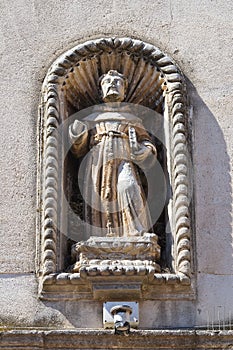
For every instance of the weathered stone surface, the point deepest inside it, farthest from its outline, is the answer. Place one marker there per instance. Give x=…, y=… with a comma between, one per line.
x=117, y=256
x=97, y=339
x=106, y=138
x=198, y=37
x=214, y=301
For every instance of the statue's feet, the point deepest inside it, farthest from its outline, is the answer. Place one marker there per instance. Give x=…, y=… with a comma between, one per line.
x=149, y=235
x=111, y=235
x=74, y=268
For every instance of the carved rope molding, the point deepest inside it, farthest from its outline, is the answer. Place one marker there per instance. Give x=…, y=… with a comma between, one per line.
x=176, y=99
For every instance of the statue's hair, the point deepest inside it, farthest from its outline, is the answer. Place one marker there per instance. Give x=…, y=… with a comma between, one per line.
x=114, y=72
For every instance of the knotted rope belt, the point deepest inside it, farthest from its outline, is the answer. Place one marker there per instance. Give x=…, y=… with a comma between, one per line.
x=111, y=133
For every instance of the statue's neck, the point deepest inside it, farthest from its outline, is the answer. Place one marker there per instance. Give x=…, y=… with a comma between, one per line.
x=112, y=107
x=113, y=111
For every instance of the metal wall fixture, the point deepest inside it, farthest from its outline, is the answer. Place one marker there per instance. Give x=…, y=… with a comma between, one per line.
x=121, y=316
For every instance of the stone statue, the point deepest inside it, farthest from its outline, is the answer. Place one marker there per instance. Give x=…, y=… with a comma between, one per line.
x=116, y=144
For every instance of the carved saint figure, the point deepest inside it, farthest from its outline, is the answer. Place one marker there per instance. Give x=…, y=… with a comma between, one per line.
x=114, y=145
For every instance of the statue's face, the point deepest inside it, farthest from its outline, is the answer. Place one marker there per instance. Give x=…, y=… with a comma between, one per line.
x=113, y=88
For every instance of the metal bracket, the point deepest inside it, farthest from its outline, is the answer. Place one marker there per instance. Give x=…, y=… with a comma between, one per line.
x=108, y=317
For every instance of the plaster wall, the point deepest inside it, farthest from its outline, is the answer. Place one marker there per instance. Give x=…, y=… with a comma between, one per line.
x=197, y=35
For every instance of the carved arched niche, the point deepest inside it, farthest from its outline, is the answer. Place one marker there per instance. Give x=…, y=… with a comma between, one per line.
x=71, y=85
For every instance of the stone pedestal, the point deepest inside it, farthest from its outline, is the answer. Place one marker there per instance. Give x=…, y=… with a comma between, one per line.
x=117, y=266
x=119, y=255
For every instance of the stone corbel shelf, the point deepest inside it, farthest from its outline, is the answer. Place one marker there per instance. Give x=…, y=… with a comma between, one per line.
x=89, y=285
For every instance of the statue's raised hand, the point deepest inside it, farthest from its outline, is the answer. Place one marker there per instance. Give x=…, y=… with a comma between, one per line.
x=78, y=127
x=78, y=138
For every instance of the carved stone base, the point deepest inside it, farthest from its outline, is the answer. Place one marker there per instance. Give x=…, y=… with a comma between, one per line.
x=103, y=256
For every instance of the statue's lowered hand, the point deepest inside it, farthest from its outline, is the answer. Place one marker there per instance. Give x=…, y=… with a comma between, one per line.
x=141, y=154
x=146, y=151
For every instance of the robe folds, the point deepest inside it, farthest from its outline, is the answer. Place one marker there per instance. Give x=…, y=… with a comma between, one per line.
x=114, y=199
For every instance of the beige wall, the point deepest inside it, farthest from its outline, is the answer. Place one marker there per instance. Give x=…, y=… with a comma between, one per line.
x=198, y=36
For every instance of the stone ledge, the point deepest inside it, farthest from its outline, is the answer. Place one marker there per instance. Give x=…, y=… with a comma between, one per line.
x=74, y=286
x=190, y=339
x=73, y=278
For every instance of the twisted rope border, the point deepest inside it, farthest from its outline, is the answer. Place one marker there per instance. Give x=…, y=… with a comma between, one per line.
x=176, y=97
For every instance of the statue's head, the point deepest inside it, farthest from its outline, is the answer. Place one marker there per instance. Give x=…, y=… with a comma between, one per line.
x=113, y=86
